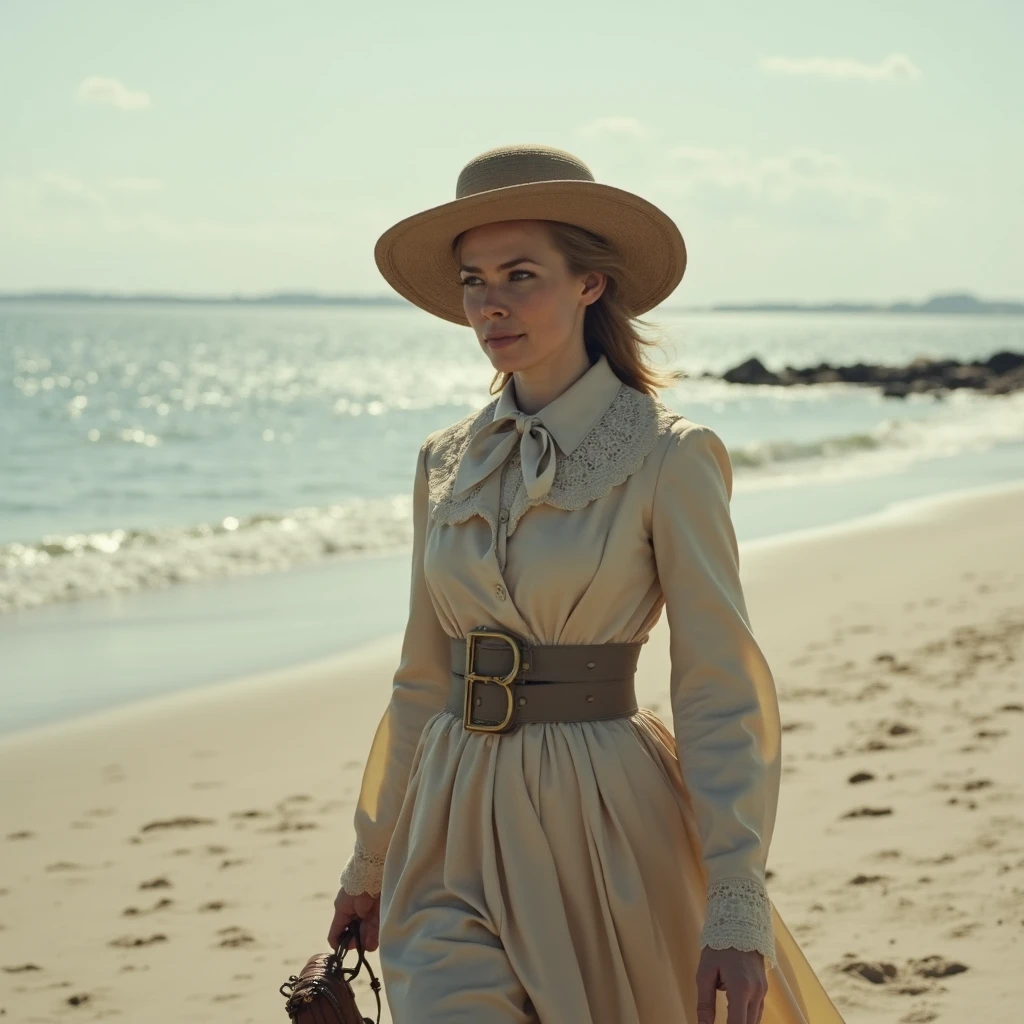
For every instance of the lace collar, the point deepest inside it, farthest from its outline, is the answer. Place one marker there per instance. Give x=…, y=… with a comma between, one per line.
x=604, y=430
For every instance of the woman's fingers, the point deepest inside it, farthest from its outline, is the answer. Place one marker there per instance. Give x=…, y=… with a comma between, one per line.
x=362, y=909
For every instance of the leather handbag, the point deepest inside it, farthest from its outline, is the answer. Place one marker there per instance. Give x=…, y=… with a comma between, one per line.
x=322, y=992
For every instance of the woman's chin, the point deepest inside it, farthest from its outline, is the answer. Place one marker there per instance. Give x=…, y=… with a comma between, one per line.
x=509, y=358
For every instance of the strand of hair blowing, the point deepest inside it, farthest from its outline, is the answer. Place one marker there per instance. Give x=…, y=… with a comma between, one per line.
x=608, y=327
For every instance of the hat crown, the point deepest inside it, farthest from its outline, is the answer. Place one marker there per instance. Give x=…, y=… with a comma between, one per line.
x=506, y=166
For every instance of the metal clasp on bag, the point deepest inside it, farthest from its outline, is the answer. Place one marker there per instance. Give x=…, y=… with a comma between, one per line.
x=507, y=680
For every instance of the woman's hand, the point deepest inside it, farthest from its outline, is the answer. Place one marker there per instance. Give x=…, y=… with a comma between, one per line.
x=744, y=979
x=348, y=907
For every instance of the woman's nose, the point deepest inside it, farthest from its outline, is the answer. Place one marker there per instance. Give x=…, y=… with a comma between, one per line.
x=491, y=305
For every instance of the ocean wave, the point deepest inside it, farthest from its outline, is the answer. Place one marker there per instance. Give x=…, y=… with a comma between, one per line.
x=76, y=566
x=965, y=423
x=766, y=453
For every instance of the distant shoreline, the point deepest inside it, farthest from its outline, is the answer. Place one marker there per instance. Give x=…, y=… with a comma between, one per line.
x=950, y=304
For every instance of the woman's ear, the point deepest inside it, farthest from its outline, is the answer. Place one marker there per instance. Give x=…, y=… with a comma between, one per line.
x=593, y=286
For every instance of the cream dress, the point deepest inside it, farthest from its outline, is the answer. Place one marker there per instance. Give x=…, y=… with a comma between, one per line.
x=570, y=872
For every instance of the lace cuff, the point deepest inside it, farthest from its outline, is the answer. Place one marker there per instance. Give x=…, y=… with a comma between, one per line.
x=739, y=916
x=363, y=872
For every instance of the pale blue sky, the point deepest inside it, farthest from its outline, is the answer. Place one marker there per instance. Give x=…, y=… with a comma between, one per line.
x=808, y=150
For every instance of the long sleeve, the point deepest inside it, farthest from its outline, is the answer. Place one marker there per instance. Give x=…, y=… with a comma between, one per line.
x=419, y=691
x=724, y=702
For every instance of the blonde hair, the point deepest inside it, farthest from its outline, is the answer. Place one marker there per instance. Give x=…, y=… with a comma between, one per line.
x=608, y=327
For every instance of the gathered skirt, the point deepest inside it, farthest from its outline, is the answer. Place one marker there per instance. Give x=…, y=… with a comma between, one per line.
x=553, y=874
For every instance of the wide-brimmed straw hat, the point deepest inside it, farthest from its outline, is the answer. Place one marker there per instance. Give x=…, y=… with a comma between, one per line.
x=531, y=182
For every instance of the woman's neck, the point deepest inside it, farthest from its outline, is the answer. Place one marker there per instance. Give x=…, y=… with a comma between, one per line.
x=541, y=384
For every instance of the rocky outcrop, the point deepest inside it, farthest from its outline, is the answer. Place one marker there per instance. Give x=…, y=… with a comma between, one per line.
x=998, y=375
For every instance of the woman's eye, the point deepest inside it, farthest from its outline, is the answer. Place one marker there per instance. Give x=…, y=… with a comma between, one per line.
x=472, y=280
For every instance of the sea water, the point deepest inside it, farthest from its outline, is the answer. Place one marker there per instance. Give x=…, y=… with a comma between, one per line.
x=151, y=445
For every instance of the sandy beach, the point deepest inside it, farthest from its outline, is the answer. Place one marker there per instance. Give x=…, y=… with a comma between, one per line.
x=177, y=859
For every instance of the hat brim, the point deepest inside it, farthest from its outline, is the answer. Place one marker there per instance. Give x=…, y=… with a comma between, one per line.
x=415, y=256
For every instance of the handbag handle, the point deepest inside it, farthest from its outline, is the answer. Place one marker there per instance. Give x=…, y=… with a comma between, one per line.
x=351, y=930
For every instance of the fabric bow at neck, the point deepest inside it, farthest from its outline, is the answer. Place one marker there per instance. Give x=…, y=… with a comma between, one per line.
x=492, y=445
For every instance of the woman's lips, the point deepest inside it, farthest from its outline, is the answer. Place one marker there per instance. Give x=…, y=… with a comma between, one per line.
x=503, y=342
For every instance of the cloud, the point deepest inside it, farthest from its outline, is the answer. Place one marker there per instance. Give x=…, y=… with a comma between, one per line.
x=612, y=127
x=111, y=92
x=773, y=179
x=894, y=67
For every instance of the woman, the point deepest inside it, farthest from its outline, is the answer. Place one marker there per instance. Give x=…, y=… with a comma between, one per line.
x=533, y=846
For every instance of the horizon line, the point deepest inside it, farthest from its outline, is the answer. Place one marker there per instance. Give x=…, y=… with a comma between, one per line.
x=961, y=301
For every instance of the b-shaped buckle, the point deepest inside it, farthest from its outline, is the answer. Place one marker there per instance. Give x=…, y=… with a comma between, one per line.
x=507, y=680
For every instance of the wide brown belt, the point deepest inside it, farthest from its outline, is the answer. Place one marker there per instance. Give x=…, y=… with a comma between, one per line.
x=492, y=672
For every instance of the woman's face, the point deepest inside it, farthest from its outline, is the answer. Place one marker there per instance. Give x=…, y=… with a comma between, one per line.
x=519, y=297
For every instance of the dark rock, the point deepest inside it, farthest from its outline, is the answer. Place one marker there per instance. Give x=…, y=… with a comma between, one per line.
x=828, y=376
x=1012, y=380
x=999, y=375
x=753, y=371
x=1004, y=362
x=859, y=373
x=969, y=375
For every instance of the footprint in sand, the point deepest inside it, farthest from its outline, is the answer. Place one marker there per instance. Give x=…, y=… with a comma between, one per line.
x=235, y=936
x=24, y=834
x=287, y=825
x=250, y=814
x=183, y=821
x=936, y=967
x=160, y=904
x=881, y=972
x=213, y=905
x=868, y=812
x=22, y=967
x=796, y=726
x=156, y=883
x=132, y=941
x=990, y=734
x=974, y=784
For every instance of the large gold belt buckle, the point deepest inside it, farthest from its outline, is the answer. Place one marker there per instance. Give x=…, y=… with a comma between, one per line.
x=507, y=680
